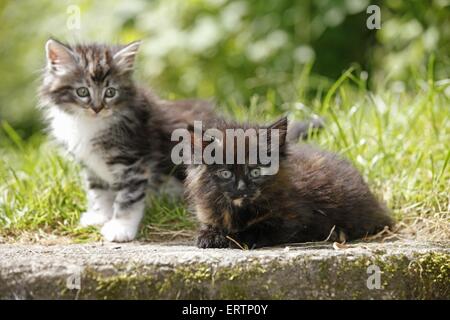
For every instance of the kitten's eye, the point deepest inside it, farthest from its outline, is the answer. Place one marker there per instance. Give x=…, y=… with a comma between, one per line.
x=110, y=92
x=82, y=92
x=226, y=174
x=255, y=173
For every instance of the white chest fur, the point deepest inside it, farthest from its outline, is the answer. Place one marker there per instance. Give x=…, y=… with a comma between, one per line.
x=77, y=134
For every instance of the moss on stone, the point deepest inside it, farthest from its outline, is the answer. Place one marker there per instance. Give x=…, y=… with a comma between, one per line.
x=416, y=276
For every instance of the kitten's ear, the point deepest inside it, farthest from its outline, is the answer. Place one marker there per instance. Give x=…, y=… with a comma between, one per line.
x=196, y=142
x=196, y=139
x=59, y=56
x=202, y=138
x=126, y=56
x=281, y=124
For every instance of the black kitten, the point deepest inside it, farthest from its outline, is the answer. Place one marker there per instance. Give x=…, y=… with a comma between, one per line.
x=315, y=195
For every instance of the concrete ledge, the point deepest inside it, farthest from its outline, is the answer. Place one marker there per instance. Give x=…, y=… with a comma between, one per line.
x=408, y=270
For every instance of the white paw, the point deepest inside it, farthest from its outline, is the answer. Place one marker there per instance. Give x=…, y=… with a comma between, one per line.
x=118, y=230
x=93, y=218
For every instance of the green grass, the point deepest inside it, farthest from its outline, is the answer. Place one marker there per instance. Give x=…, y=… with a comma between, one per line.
x=399, y=140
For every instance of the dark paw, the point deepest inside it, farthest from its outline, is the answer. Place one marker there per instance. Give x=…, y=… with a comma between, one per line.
x=212, y=239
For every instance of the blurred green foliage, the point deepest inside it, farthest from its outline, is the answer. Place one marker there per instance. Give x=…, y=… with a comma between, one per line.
x=230, y=50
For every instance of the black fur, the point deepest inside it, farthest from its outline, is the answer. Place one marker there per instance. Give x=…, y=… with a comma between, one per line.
x=316, y=195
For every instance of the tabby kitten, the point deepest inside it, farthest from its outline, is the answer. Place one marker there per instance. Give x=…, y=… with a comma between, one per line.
x=314, y=196
x=118, y=131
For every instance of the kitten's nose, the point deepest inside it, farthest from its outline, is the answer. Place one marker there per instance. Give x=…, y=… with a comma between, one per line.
x=98, y=108
x=241, y=185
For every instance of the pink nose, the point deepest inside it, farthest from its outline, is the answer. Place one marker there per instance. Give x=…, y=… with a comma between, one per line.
x=97, y=109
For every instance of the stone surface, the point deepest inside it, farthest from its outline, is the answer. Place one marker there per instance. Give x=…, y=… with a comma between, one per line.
x=405, y=270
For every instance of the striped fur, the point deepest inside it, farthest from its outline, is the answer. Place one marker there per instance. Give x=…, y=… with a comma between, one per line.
x=122, y=141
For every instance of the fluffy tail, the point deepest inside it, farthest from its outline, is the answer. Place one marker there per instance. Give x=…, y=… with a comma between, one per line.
x=300, y=129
